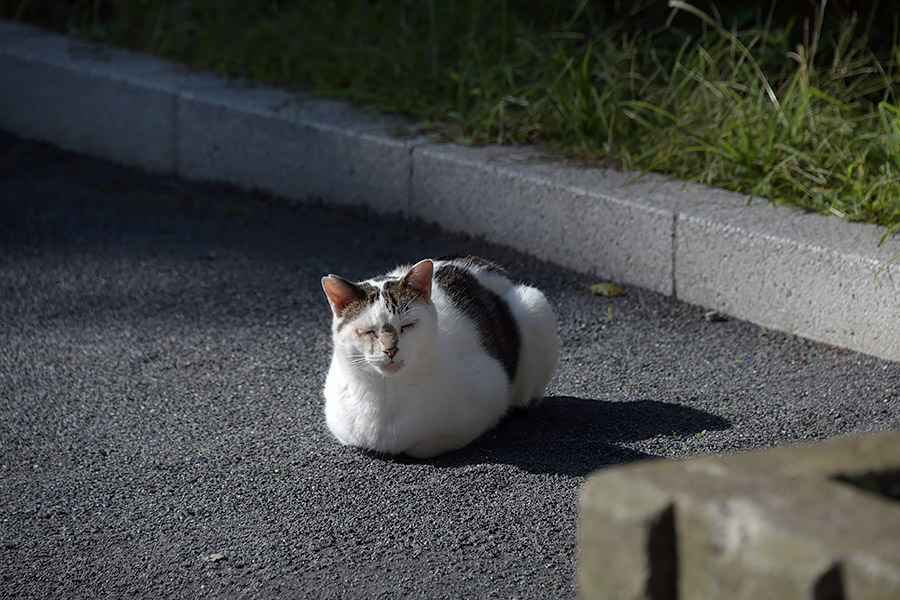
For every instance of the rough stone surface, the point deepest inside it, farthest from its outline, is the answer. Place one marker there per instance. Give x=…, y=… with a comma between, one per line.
x=792, y=271
x=619, y=530
x=293, y=146
x=113, y=104
x=519, y=198
x=782, y=523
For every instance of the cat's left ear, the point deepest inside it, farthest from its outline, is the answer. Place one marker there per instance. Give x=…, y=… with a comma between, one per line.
x=418, y=279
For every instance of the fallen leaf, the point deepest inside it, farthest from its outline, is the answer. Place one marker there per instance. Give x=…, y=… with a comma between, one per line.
x=214, y=557
x=606, y=289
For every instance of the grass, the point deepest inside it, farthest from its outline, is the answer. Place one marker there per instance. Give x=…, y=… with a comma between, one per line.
x=799, y=109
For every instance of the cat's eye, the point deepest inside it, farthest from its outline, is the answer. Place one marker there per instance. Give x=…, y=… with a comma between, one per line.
x=365, y=333
x=407, y=326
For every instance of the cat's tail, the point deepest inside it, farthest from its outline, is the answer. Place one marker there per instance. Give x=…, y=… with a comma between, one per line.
x=540, y=343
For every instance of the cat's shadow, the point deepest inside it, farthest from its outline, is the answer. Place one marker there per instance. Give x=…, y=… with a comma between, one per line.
x=575, y=436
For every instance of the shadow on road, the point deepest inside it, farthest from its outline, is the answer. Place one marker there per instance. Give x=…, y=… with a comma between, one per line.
x=575, y=436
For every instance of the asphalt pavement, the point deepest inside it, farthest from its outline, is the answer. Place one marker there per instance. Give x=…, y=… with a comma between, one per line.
x=162, y=351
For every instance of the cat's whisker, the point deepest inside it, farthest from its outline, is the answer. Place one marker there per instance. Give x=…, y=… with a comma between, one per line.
x=360, y=362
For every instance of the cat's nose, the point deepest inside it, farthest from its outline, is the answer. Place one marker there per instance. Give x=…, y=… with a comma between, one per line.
x=390, y=352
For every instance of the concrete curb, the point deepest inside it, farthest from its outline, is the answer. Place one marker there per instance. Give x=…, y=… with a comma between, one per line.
x=811, y=521
x=807, y=274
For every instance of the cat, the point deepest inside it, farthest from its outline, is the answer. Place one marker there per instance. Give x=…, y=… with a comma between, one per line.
x=427, y=358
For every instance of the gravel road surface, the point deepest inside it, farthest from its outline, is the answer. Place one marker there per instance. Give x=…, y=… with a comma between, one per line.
x=162, y=351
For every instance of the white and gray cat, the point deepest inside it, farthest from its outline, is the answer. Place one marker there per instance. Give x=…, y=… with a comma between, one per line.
x=427, y=358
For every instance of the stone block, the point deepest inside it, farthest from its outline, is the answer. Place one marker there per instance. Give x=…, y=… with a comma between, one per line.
x=84, y=97
x=794, y=522
x=788, y=270
x=579, y=218
x=296, y=147
x=626, y=535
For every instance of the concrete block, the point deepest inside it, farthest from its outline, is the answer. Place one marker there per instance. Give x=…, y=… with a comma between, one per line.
x=870, y=579
x=728, y=548
x=792, y=271
x=293, y=146
x=793, y=522
x=575, y=217
x=139, y=110
x=87, y=98
x=627, y=542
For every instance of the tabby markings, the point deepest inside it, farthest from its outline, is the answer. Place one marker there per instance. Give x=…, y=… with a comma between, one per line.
x=366, y=294
x=499, y=332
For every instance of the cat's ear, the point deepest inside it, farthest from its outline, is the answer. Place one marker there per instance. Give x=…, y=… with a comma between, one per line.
x=341, y=293
x=418, y=279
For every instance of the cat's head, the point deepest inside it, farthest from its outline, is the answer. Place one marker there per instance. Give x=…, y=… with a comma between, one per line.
x=383, y=327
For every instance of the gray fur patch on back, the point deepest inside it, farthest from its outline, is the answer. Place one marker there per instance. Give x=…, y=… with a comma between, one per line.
x=470, y=260
x=369, y=294
x=498, y=329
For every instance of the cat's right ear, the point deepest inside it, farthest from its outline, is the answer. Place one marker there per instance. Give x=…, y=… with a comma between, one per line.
x=341, y=293
x=418, y=279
